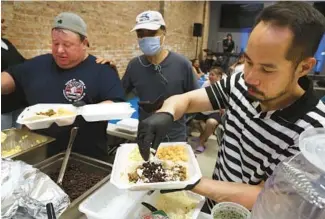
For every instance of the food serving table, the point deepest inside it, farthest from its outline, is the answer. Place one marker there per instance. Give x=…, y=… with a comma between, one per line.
x=201, y=216
x=72, y=212
x=37, y=158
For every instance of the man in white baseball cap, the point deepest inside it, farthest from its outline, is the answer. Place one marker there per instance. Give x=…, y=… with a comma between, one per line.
x=151, y=30
x=150, y=20
x=158, y=73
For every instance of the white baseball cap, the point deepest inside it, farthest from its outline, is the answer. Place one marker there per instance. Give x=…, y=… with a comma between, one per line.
x=149, y=20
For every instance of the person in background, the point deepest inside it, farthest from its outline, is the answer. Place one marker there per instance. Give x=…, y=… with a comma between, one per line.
x=68, y=75
x=228, y=49
x=228, y=44
x=11, y=104
x=268, y=105
x=196, y=68
x=158, y=73
x=207, y=61
x=211, y=118
x=238, y=66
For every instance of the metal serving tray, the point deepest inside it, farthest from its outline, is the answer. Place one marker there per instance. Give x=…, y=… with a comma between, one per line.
x=89, y=165
x=24, y=139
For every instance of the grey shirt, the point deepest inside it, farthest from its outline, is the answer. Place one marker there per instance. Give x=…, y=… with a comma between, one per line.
x=149, y=84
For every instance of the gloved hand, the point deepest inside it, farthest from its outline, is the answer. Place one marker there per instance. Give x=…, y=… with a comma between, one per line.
x=151, y=132
x=188, y=187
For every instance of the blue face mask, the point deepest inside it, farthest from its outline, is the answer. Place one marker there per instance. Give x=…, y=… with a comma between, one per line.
x=150, y=45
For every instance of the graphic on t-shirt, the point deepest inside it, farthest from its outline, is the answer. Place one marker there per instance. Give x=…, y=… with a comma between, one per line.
x=74, y=90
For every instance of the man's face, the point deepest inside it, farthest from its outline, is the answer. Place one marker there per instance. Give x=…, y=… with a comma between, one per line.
x=229, y=37
x=141, y=33
x=3, y=26
x=67, y=48
x=267, y=73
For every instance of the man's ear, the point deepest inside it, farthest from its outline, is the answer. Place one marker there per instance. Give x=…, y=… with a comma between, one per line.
x=85, y=43
x=305, y=66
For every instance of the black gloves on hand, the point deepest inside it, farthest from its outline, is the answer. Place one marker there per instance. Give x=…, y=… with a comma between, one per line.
x=151, y=132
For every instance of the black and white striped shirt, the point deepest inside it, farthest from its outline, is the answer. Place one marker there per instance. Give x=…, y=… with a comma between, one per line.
x=255, y=142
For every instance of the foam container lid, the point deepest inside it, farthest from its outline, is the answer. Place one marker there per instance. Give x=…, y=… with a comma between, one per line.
x=128, y=124
x=122, y=166
x=109, y=202
x=91, y=113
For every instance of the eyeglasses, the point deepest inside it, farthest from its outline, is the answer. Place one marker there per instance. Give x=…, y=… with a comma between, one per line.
x=152, y=106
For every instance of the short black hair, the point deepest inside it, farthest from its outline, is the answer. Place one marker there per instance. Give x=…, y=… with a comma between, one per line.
x=306, y=23
x=82, y=37
x=162, y=27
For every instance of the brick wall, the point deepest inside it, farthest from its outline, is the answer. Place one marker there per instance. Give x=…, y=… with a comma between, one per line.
x=109, y=24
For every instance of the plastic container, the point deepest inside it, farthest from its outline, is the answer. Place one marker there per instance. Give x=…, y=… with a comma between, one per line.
x=296, y=189
x=122, y=166
x=91, y=113
x=139, y=211
x=312, y=146
x=109, y=202
x=128, y=125
x=229, y=210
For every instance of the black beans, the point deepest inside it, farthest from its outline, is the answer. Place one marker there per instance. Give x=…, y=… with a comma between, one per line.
x=76, y=181
x=151, y=172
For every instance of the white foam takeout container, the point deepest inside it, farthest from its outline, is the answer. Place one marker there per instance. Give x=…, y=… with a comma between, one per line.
x=103, y=204
x=139, y=210
x=128, y=125
x=122, y=166
x=91, y=113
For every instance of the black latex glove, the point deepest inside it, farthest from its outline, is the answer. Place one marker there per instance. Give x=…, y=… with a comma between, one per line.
x=188, y=187
x=151, y=132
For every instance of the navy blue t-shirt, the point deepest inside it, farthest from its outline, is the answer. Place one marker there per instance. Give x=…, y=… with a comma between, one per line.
x=44, y=82
x=176, y=76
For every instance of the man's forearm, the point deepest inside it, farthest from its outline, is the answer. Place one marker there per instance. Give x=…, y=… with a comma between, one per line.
x=176, y=105
x=7, y=83
x=190, y=102
x=219, y=191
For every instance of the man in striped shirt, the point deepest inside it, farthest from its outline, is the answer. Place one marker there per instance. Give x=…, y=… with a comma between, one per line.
x=268, y=105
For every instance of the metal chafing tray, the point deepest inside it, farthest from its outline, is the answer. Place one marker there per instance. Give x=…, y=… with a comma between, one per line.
x=21, y=141
x=88, y=164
